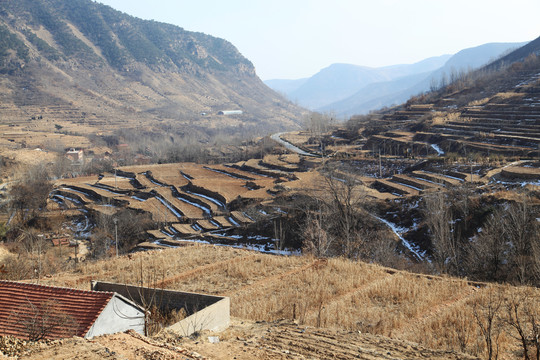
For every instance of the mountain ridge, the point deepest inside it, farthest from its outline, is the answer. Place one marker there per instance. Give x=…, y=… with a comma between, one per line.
x=339, y=81
x=389, y=89
x=463, y=61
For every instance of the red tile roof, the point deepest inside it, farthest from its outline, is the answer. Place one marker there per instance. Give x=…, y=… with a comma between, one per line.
x=60, y=241
x=61, y=311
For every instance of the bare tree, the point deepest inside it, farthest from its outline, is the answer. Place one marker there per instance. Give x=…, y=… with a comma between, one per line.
x=522, y=231
x=130, y=228
x=440, y=222
x=523, y=314
x=44, y=320
x=279, y=234
x=508, y=247
x=488, y=255
x=487, y=313
x=343, y=199
x=317, y=241
x=35, y=246
x=28, y=196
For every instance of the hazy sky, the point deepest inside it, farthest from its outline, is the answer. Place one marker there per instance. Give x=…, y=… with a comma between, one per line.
x=291, y=39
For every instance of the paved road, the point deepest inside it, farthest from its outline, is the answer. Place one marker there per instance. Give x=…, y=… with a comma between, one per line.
x=277, y=137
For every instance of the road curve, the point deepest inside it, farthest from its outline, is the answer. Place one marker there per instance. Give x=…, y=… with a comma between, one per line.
x=277, y=137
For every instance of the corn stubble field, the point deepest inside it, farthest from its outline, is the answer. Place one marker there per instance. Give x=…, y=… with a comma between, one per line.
x=436, y=312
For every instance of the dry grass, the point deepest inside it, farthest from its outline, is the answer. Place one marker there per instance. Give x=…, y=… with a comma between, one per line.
x=508, y=95
x=479, y=102
x=337, y=293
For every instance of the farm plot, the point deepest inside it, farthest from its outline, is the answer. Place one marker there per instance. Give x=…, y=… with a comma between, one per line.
x=184, y=200
x=117, y=182
x=231, y=183
x=335, y=293
x=158, y=208
x=164, y=173
x=229, y=277
x=166, y=195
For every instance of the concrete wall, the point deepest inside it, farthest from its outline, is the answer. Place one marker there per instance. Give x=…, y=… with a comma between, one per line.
x=118, y=316
x=215, y=317
x=205, y=312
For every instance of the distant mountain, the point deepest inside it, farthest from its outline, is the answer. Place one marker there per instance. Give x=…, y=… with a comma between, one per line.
x=377, y=95
x=285, y=87
x=339, y=81
x=81, y=59
x=332, y=83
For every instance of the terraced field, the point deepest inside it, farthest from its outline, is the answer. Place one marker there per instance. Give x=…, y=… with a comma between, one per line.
x=435, y=312
x=188, y=200
x=214, y=203
x=507, y=123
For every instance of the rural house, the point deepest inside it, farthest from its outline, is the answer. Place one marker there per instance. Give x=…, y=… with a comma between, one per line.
x=76, y=156
x=30, y=311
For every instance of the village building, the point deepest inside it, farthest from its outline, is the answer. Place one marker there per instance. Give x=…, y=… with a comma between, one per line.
x=31, y=311
x=76, y=156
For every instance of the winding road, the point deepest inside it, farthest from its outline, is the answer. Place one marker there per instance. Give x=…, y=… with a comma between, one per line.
x=277, y=137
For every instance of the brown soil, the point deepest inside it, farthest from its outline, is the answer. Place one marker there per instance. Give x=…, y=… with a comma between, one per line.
x=243, y=340
x=128, y=345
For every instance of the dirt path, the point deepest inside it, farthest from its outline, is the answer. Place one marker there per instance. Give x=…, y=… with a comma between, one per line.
x=128, y=345
x=243, y=340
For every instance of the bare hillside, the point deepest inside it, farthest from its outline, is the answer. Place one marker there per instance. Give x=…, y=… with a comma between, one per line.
x=82, y=68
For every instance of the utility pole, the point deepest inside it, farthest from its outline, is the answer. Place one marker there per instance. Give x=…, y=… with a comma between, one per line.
x=380, y=164
x=116, y=234
x=115, y=187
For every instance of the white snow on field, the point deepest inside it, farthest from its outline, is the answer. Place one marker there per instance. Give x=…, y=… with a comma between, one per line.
x=75, y=190
x=185, y=176
x=105, y=188
x=206, y=211
x=249, y=217
x=226, y=173
x=215, y=201
x=176, y=213
x=63, y=197
x=437, y=149
x=151, y=179
x=398, y=231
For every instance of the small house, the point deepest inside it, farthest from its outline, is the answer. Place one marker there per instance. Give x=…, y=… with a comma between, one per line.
x=76, y=156
x=31, y=311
